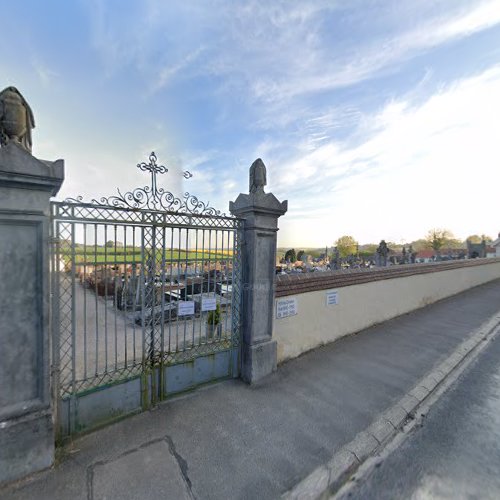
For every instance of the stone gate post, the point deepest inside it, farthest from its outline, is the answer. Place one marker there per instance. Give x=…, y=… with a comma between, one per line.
x=26, y=185
x=260, y=212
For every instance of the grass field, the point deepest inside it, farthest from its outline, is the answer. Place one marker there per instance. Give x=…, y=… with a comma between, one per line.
x=101, y=255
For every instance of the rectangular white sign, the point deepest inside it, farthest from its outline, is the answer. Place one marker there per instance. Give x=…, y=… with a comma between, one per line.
x=286, y=307
x=332, y=298
x=185, y=308
x=208, y=304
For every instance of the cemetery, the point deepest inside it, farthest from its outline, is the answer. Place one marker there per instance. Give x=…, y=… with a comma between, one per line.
x=249, y=250
x=181, y=296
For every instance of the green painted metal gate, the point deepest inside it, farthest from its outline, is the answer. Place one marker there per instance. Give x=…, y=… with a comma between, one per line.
x=146, y=292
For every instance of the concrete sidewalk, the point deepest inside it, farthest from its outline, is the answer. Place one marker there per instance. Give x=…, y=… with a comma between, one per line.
x=231, y=440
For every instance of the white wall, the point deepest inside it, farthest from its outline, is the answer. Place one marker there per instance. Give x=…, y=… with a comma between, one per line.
x=363, y=305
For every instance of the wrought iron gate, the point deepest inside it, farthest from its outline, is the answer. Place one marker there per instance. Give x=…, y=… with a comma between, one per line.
x=145, y=300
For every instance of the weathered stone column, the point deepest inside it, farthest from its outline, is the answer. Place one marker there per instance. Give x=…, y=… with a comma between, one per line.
x=260, y=212
x=26, y=423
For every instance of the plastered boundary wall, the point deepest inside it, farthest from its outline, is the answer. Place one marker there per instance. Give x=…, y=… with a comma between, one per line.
x=366, y=297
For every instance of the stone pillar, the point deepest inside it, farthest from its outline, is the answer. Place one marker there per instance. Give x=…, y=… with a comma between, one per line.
x=260, y=212
x=26, y=422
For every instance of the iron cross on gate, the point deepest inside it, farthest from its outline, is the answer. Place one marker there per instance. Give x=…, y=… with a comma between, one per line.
x=155, y=169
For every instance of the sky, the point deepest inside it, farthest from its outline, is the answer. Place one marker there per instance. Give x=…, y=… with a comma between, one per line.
x=378, y=119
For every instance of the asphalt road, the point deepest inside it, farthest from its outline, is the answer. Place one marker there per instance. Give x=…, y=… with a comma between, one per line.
x=455, y=454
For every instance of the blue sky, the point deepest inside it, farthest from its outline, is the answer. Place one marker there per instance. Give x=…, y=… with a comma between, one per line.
x=375, y=118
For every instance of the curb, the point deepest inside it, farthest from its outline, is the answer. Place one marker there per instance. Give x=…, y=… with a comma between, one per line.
x=327, y=479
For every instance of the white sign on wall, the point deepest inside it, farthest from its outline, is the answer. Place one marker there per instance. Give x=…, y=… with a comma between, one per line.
x=185, y=308
x=286, y=307
x=208, y=304
x=332, y=298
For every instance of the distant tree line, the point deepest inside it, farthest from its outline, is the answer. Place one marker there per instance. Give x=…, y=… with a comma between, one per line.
x=436, y=239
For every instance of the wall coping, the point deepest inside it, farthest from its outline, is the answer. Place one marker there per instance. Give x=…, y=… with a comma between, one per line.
x=293, y=284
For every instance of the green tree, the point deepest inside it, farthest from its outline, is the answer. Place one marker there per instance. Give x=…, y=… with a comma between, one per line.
x=454, y=244
x=346, y=245
x=367, y=249
x=475, y=238
x=290, y=255
x=420, y=244
x=300, y=254
x=438, y=238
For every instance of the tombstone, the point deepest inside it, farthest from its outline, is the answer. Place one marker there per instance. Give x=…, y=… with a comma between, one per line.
x=382, y=253
x=337, y=263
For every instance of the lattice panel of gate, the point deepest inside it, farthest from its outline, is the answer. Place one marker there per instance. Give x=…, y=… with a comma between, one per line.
x=138, y=290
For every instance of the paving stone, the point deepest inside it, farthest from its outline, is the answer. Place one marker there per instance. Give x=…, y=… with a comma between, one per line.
x=409, y=403
x=150, y=472
x=363, y=445
x=381, y=430
x=396, y=416
x=420, y=392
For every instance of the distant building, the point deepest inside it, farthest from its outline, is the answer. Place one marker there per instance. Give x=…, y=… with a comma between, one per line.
x=425, y=256
x=496, y=246
x=490, y=252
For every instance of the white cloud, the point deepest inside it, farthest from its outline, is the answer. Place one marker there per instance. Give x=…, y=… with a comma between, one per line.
x=398, y=172
x=44, y=73
x=343, y=68
x=169, y=72
x=272, y=52
x=430, y=165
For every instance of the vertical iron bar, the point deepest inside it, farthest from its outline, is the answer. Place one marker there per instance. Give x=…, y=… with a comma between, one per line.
x=143, y=299
x=124, y=293
x=171, y=291
x=235, y=287
x=187, y=287
x=203, y=282
x=105, y=298
x=195, y=277
x=226, y=284
x=214, y=326
x=162, y=330
x=96, y=304
x=73, y=328
x=152, y=289
x=115, y=299
x=135, y=283
x=185, y=291
x=55, y=316
x=209, y=270
x=84, y=301
x=152, y=286
x=230, y=244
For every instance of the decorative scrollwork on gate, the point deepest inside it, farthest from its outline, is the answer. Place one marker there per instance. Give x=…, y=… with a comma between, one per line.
x=153, y=197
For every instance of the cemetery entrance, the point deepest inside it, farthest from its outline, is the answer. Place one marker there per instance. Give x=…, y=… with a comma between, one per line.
x=145, y=300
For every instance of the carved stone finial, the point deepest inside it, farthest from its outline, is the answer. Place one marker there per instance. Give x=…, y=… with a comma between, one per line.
x=257, y=176
x=16, y=118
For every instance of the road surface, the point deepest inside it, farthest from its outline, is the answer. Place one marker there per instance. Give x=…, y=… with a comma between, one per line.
x=455, y=454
